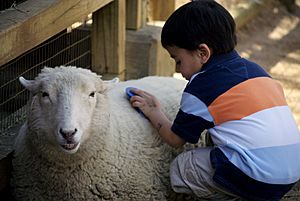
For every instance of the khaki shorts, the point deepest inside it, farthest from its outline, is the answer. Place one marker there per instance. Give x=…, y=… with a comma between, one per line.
x=191, y=173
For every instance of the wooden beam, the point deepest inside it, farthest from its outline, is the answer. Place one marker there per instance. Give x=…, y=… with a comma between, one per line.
x=108, y=40
x=161, y=9
x=136, y=14
x=33, y=22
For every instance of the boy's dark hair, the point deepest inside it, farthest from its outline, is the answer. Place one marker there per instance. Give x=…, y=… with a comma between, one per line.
x=202, y=21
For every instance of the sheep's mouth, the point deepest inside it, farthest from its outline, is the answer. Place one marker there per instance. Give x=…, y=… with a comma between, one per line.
x=69, y=146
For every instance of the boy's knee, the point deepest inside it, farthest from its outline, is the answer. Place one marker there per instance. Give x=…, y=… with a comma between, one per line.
x=178, y=183
x=177, y=165
x=190, y=172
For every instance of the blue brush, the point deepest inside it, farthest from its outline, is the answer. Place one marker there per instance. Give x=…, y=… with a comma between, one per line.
x=129, y=92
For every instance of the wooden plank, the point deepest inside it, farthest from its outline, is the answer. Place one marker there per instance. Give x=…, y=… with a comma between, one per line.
x=136, y=13
x=161, y=10
x=35, y=21
x=108, y=40
x=145, y=55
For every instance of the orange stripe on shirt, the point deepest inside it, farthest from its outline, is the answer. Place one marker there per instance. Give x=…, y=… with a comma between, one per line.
x=246, y=98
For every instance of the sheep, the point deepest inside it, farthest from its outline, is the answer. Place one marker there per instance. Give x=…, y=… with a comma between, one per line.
x=82, y=140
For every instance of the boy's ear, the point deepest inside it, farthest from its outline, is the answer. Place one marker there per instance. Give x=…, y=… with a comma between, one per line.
x=204, y=52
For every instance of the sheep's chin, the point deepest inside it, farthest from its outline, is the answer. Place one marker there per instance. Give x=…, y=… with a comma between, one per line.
x=70, y=148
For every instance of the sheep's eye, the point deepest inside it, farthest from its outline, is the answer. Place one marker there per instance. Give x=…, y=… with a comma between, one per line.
x=92, y=94
x=45, y=94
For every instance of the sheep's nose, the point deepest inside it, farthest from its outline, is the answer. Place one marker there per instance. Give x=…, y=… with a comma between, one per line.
x=67, y=134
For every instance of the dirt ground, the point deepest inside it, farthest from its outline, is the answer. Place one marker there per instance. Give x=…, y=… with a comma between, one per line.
x=272, y=40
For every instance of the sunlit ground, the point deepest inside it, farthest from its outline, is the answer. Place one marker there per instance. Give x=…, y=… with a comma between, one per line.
x=288, y=73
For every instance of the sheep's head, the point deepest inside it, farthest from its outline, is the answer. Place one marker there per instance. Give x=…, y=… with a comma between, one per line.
x=62, y=105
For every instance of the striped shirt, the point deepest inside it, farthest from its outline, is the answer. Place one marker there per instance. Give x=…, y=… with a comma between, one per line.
x=257, y=140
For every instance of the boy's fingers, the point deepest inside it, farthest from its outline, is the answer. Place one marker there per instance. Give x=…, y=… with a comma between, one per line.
x=148, y=94
x=137, y=91
x=141, y=93
x=138, y=101
x=135, y=98
x=137, y=104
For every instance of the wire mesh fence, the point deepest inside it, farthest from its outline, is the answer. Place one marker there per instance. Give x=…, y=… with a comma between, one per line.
x=7, y=4
x=66, y=48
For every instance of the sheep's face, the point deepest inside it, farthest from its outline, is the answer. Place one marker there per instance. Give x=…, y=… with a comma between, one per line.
x=62, y=106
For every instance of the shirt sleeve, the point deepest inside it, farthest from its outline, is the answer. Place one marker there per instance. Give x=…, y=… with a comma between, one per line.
x=189, y=127
x=192, y=118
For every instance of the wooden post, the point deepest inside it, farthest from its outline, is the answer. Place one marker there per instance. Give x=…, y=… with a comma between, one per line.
x=136, y=14
x=108, y=40
x=161, y=9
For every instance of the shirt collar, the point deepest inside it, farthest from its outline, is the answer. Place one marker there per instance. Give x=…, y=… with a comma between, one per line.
x=216, y=61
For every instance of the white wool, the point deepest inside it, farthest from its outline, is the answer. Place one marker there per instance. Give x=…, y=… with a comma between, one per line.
x=118, y=154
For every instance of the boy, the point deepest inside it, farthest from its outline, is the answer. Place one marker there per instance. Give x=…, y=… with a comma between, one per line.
x=257, y=144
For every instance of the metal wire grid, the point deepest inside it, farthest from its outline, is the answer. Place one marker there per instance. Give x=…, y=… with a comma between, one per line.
x=66, y=48
x=7, y=4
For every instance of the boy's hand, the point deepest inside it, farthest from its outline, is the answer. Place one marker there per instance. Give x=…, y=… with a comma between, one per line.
x=151, y=108
x=146, y=102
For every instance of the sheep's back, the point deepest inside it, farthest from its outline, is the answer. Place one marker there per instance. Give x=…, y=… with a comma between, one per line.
x=133, y=127
x=139, y=150
x=167, y=89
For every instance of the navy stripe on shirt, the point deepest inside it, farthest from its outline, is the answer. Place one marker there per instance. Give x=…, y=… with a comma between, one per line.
x=229, y=176
x=182, y=125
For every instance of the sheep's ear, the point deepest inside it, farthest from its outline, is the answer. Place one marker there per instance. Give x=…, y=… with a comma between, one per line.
x=108, y=84
x=30, y=85
x=112, y=81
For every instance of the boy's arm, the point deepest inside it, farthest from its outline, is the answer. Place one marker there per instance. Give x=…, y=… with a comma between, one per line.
x=150, y=106
x=163, y=126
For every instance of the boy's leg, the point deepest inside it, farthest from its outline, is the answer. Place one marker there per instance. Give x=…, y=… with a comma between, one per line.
x=191, y=172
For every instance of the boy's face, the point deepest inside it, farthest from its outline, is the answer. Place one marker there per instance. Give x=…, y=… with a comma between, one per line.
x=188, y=62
